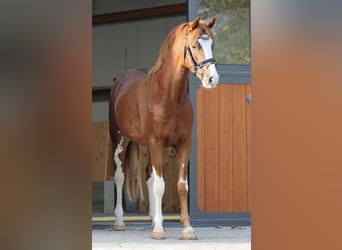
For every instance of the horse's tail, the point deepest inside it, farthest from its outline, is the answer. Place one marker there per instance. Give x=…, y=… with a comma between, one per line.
x=136, y=162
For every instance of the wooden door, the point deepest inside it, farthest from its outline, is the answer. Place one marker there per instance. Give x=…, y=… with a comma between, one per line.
x=223, y=148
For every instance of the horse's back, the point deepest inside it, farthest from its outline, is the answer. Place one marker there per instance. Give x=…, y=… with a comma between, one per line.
x=123, y=91
x=125, y=80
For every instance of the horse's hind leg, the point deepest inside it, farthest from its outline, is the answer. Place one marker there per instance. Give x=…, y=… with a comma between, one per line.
x=119, y=178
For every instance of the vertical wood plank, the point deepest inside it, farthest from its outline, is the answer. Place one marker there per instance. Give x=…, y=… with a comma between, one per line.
x=225, y=148
x=239, y=152
x=249, y=146
x=200, y=149
x=100, y=142
x=211, y=163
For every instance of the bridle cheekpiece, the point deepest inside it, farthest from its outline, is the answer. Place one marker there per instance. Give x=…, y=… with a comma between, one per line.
x=196, y=65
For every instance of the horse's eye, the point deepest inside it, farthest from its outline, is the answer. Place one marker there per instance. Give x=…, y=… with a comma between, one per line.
x=194, y=46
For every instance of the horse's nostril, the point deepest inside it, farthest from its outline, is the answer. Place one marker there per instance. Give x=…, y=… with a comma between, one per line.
x=211, y=80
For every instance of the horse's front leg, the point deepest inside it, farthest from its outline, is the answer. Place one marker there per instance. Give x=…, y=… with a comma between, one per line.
x=158, y=188
x=183, y=152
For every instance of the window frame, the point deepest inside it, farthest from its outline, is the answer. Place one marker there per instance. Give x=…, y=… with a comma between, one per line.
x=229, y=73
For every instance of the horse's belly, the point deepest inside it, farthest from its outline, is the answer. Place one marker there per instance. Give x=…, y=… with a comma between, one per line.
x=130, y=125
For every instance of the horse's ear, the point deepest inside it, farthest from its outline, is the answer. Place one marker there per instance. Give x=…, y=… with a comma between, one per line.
x=194, y=23
x=211, y=22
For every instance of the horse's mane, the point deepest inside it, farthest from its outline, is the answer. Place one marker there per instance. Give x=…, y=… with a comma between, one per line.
x=170, y=40
x=164, y=48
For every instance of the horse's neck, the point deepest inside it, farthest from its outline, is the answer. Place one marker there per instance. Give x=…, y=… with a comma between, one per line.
x=170, y=83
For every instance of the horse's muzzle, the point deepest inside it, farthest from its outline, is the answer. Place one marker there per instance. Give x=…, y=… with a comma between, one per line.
x=210, y=78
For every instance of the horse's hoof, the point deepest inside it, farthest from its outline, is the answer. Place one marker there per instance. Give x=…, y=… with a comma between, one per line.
x=189, y=236
x=119, y=228
x=158, y=235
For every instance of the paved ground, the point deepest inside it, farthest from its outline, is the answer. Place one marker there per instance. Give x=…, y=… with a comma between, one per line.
x=138, y=237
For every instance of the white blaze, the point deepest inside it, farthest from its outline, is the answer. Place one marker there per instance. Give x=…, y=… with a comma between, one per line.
x=206, y=43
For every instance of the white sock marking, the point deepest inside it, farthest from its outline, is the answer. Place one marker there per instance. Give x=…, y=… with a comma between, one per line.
x=188, y=229
x=158, y=191
x=117, y=151
x=119, y=178
x=151, y=196
x=184, y=182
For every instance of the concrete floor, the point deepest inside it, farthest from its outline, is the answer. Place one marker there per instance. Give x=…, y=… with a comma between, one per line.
x=138, y=237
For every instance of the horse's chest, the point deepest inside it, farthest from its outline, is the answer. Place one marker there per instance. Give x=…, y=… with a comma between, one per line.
x=166, y=130
x=171, y=123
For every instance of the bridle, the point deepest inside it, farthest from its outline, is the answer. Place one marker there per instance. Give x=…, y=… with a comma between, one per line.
x=196, y=65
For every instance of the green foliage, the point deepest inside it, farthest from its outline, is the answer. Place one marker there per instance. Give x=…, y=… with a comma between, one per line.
x=231, y=31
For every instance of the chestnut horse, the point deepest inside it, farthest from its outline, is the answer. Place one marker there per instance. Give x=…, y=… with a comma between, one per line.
x=153, y=109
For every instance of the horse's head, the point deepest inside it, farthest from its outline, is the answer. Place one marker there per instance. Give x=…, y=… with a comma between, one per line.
x=198, y=54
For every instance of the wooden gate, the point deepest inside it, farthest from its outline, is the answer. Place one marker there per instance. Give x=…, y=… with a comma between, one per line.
x=223, y=148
